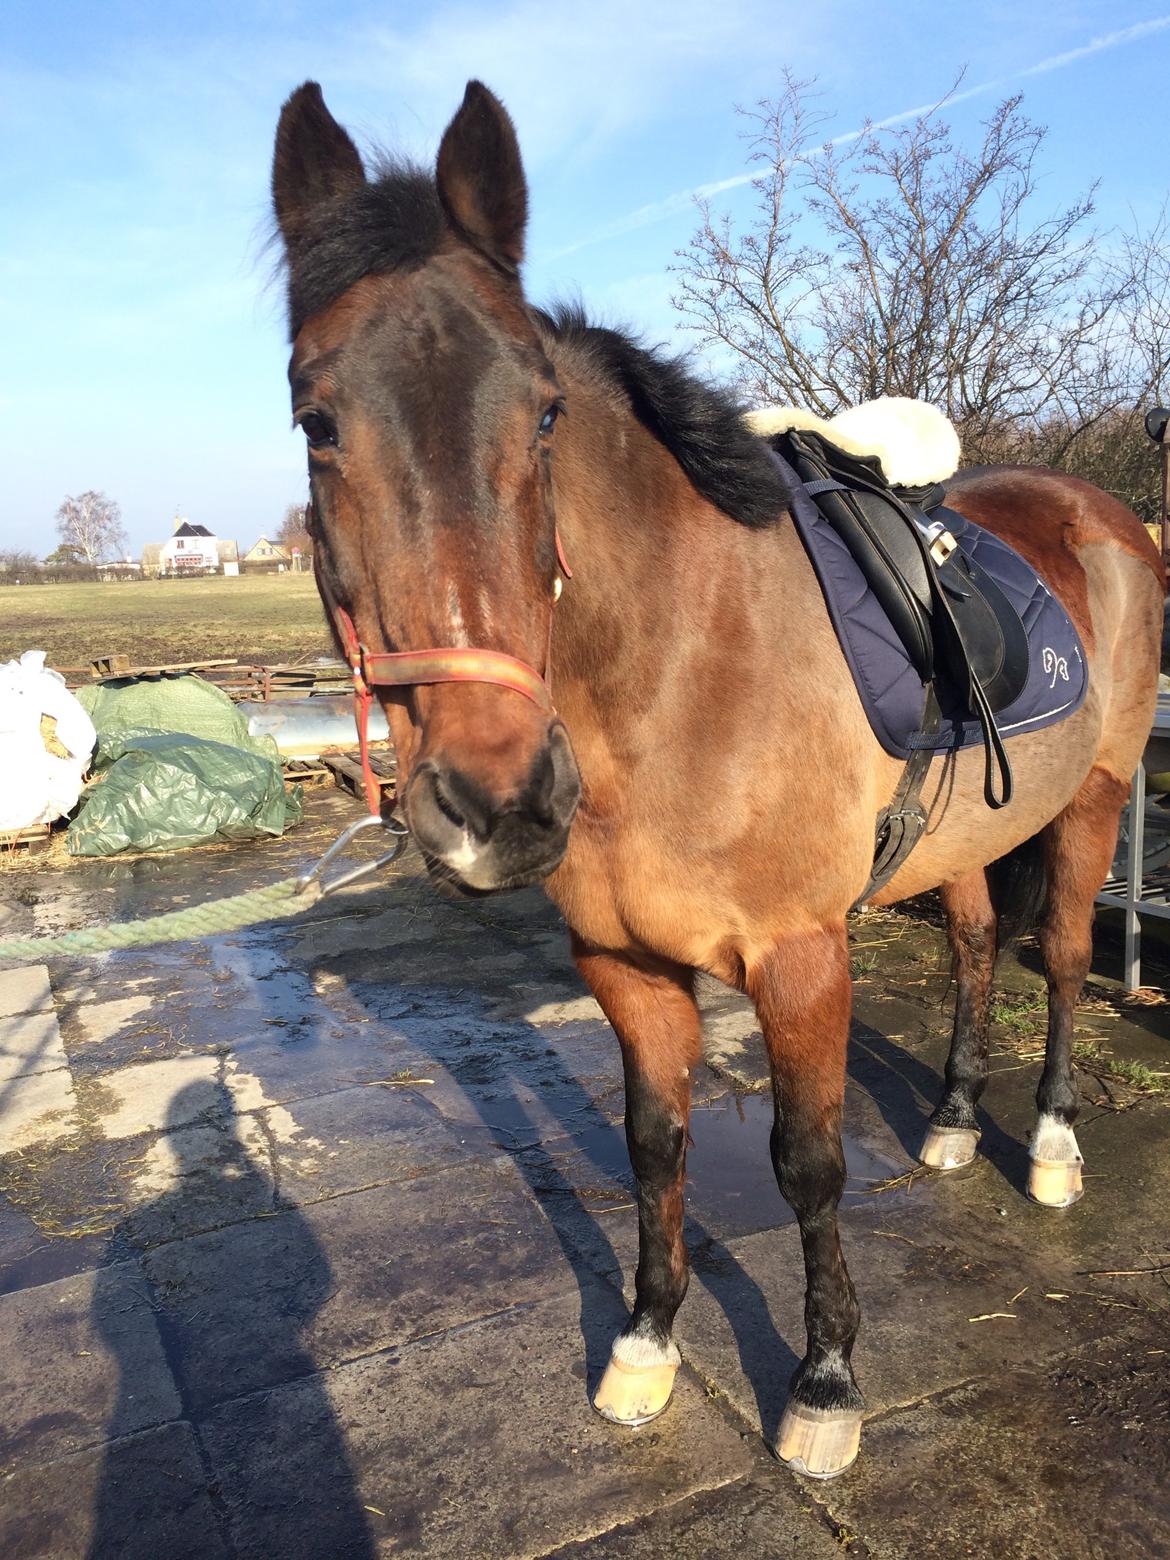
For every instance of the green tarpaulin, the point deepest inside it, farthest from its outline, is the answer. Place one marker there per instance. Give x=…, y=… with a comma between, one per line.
x=186, y=705
x=177, y=768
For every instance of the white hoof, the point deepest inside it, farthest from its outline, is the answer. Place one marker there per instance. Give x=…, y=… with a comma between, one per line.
x=948, y=1148
x=819, y=1442
x=638, y=1381
x=1054, y=1175
x=1055, y=1185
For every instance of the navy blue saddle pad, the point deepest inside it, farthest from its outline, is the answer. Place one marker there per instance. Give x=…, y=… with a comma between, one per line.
x=890, y=688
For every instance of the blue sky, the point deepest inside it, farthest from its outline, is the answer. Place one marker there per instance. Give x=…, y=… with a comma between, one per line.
x=142, y=338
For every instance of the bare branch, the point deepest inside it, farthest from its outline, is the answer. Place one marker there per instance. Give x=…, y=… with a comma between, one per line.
x=92, y=523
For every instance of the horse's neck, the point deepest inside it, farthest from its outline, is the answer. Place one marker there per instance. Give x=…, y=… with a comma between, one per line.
x=705, y=695
x=660, y=576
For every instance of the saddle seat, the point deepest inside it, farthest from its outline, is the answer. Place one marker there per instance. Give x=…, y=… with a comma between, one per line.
x=915, y=443
x=876, y=475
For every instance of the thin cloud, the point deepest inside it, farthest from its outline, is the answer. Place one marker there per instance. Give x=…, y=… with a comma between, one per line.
x=671, y=205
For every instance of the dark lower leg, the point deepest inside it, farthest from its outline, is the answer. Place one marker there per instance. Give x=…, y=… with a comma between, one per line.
x=971, y=931
x=803, y=998
x=1079, y=847
x=654, y=1014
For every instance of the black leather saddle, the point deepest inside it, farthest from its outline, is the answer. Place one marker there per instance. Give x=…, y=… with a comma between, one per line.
x=956, y=625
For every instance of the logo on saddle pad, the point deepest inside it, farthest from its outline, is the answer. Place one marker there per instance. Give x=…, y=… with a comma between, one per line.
x=1056, y=665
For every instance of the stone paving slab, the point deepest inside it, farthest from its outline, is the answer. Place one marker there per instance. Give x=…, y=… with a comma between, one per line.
x=25, y=990
x=28, y=1256
x=767, y=1515
x=479, y=1443
x=81, y=1361
x=30, y=1043
x=98, y=1022
x=986, y=1206
x=36, y=1108
x=147, y=1096
x=369, y=1135
x=268, y=1073
x=261, y=1303
x=197, y=1178
x=1073, y=1460
x=742, y=1324
x=141, y=1498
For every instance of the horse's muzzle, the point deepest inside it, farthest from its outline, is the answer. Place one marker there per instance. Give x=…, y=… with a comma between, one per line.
x=478, y=843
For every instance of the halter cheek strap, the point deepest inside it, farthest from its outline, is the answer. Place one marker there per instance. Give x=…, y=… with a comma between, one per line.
x=412, y=668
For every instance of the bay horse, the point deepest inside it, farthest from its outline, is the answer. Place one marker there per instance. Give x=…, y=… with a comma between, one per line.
x=704, y=796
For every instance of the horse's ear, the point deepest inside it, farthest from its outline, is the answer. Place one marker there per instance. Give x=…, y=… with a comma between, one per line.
x=481, y=178
x=314, y=159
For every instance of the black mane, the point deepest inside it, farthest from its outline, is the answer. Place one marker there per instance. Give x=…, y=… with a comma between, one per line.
x=392, y=223
x=395, y=221
x=700, y=425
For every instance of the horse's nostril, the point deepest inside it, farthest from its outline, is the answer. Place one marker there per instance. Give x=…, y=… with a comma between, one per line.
x=565, y=789
x=447, y=807
x=463, y=802
x=540, y=789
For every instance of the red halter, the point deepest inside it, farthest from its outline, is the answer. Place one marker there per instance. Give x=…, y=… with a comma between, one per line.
x=410, y=668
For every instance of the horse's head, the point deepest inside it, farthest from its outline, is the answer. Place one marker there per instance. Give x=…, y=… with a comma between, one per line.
x=429, y=408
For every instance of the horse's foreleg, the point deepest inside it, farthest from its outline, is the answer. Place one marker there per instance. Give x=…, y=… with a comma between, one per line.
x=971, y=929
x=1078, y=846
x=653, y=1011
x=803, y=995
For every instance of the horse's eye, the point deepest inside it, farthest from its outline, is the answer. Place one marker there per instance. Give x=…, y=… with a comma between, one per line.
x=319, y=432
x=549, y=421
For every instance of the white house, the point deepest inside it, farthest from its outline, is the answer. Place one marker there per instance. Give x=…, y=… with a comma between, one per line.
x=192, y=549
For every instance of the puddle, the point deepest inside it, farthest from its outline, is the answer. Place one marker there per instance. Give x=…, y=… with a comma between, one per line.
x=731, y=1186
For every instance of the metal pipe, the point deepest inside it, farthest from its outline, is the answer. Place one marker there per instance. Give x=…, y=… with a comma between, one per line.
x=306, y=728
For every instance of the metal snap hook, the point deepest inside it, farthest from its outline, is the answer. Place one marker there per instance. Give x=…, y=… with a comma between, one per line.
x=401, y=835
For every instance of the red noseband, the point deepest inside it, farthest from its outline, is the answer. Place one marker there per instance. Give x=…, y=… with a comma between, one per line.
x=411, y=668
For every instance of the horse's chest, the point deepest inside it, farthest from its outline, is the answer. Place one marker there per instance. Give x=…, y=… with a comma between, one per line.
x=630, y=892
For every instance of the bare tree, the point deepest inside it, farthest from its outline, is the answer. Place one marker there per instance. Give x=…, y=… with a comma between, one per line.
x=18, y=566
x=92, y=523
x=1140, y=268
x=294, y=531
x=900, y=263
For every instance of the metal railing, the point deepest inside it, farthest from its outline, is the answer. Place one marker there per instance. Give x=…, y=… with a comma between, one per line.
x=1139, y=891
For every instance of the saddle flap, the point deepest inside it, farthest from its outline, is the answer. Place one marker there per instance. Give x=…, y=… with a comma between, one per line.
x=952, y=619
x=889, y=559
x=992, y=643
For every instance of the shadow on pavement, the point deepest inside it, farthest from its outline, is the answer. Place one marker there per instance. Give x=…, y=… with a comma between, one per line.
x=340, y=1526
x=498, y=1066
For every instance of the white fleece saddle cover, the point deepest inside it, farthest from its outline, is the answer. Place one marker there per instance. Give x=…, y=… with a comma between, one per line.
x=915, y=442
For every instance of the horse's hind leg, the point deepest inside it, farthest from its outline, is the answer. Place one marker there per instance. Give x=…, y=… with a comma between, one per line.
x=803, y=995
x=653, y=1011
x=1078, y=848
x=953, y=1133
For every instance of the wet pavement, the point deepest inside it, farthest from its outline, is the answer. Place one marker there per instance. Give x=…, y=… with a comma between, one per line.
x=313, y=1239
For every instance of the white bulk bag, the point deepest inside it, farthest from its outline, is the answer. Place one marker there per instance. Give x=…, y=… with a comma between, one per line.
x=35, y=785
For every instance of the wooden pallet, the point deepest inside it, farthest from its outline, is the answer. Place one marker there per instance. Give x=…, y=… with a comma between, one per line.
x=346, y=769
x=103, y=666
x=240, y=680
x=34, y=838
x=75, y=676
x=306, y=771
x=296, y=682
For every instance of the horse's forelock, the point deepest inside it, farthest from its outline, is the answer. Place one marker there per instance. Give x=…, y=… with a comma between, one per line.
x=393, y=223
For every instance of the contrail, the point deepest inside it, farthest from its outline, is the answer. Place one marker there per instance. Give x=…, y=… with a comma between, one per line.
x=670, y=205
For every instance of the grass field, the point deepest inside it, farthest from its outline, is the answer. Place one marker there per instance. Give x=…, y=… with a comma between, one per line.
x=265, y=618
